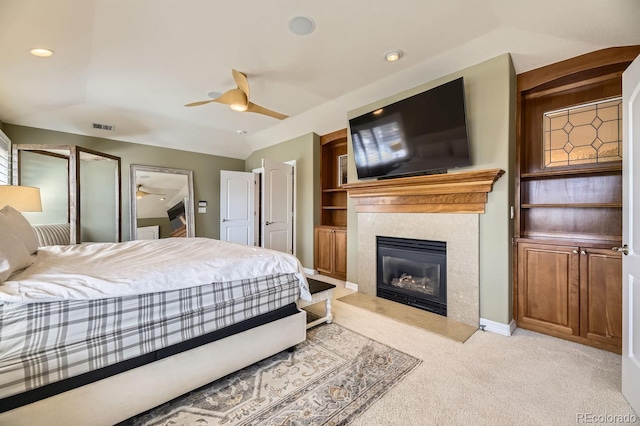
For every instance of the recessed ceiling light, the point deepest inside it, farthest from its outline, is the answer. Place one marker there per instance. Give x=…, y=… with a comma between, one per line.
x=241, y=132
x=393, y=55
x=301, y=25
x=41, y=52
x=378, y=111
x=214, y=95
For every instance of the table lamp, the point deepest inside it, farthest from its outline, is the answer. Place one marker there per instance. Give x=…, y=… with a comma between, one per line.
x=21, y=198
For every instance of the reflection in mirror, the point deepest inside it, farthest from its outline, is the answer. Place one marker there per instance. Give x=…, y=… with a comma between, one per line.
x=96, y=202
x=47, y=171
x=78, y=186
x=161, y=202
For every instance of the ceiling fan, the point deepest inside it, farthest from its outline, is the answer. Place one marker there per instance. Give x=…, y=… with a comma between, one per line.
x=238, y=98
x=140, y=192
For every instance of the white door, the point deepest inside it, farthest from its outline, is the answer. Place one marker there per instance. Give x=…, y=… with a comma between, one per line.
x=277, y=206
x=631, y=235
x=237, y=207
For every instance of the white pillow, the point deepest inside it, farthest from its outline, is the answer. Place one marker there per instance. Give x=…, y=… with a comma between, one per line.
x=12, y=220
x=14, y=256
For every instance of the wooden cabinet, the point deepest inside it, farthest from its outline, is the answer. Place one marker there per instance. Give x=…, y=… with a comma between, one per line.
x=548, y=287
x=601, y=295
x=573, y=292
x=568, y=199
x=331, y=235
x=331, y=251
x=340, y=253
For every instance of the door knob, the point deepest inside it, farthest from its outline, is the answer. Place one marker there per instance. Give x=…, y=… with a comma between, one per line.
x=583, y=252
x=268, y=223
x=574, y=251
x=624, y=249
x=225, y=220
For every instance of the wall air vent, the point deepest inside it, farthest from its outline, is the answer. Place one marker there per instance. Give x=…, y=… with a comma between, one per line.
x=106, y=127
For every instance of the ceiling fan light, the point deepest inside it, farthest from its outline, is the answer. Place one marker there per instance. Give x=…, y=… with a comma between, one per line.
x=237, y=100
x=238, y=107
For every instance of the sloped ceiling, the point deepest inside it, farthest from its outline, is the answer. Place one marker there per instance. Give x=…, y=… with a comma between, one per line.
x=134, y=64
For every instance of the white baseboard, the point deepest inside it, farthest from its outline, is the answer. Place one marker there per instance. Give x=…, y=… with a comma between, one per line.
x=351, y=286
x=310, y=271
x=498, y=327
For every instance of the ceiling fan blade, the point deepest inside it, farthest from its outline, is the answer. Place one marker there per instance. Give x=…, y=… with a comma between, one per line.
x=142, y=192
x=262, y=110
x=198, y=103
x=241, y=81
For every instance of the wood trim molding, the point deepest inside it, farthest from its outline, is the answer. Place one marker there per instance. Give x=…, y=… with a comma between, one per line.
x=600, y=58
x=464, y=192
x=330, y=137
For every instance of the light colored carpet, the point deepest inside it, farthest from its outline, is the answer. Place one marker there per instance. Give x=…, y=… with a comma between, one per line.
x=412, y=316
x=525, y=379
x=329, y=379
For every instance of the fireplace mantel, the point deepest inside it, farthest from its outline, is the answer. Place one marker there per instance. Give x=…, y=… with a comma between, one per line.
x=464, y=192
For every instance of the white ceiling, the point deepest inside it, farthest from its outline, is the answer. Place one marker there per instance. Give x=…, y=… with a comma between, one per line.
x=133, y=64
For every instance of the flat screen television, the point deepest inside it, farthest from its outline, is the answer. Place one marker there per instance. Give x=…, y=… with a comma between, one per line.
x=177, y=216
x=425, y=133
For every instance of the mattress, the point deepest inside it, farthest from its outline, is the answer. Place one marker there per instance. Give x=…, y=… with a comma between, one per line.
x=43, y=343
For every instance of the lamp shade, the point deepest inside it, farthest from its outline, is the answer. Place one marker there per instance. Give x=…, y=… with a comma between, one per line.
x=21, y=198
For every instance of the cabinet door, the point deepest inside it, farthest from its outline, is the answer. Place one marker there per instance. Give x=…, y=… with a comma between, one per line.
x=324, y=250
x=548, y=288
x=340, y=253
x=601, y=296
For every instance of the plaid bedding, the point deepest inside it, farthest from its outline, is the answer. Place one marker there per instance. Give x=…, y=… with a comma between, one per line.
x=42, y=343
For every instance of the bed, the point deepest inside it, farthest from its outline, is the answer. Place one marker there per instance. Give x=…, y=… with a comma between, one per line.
x=97, y=333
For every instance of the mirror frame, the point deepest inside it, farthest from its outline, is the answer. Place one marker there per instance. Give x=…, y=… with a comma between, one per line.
x=189, y=207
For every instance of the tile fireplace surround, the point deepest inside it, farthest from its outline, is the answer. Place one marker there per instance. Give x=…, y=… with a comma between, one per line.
x=461, y=232
x=438, y=207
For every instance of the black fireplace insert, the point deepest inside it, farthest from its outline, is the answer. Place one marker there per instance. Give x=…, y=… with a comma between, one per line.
x=413, y=272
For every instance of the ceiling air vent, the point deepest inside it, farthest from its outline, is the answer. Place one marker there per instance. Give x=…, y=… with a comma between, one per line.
x=106, y=127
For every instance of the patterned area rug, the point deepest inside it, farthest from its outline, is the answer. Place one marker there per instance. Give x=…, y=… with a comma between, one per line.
x=329, y=379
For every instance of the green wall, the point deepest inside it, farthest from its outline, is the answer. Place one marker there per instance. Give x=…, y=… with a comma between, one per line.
x=490, y=101
x=206, y=168
x=306, y=151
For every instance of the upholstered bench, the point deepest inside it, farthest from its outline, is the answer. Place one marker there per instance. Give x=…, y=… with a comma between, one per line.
x=55, y=234
x=319, y=291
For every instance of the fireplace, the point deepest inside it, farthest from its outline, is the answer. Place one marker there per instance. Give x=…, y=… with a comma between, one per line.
x=413, y=272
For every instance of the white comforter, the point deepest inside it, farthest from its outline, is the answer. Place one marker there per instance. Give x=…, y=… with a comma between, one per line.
x=103, y=270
